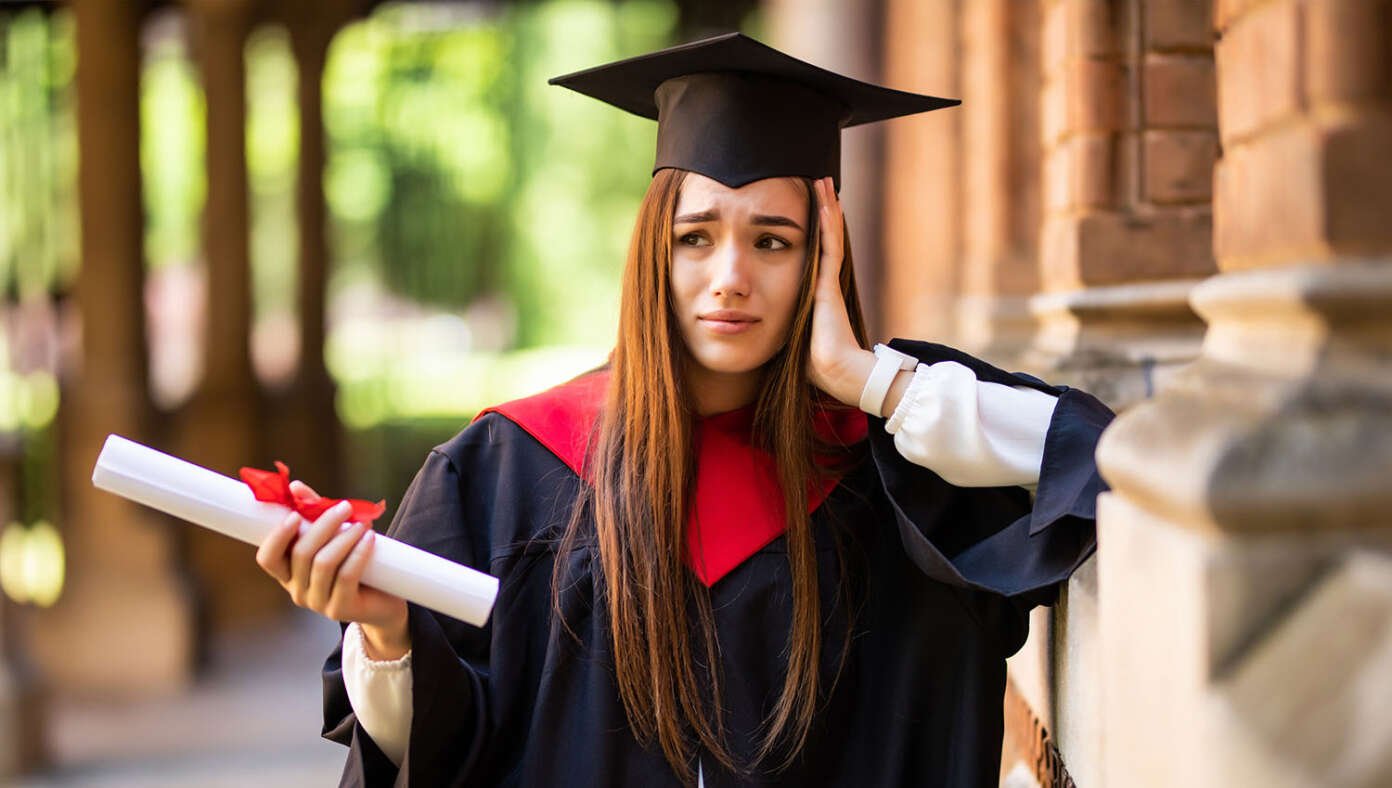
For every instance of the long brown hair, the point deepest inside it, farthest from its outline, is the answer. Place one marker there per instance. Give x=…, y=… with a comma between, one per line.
x=642, y=463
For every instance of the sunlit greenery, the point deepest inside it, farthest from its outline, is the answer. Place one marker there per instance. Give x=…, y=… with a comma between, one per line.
x=39, y=254
x=478, y=218
x=171, y=152
x=32, y=563
x=456, y=179
x=457, y=172
x=272, y=150
x=38, y=157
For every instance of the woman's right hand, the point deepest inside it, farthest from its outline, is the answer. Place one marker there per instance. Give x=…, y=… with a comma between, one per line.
x=322, y=568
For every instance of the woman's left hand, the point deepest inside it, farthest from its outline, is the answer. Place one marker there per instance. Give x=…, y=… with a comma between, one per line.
x=838, y=364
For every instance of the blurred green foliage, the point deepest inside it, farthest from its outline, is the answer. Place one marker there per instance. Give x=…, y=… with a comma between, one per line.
x=272, y=152
x=455, y=171
x=455, y=177
x=171, y=153
x=462, y=191
x=38, y=154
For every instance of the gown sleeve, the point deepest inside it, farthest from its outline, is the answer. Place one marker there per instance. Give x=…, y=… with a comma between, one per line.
x=972, y=433
x=449, y=723
x=993, y=539
x=380, y=694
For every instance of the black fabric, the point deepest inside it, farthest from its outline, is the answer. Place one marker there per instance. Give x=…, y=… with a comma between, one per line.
x=737, y=110
x=941, y=579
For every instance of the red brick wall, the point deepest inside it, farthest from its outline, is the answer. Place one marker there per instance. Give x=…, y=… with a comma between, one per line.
x=1129, y=140
x=1305, y=90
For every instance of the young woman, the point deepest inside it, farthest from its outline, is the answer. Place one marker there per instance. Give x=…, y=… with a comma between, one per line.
x=747, y=551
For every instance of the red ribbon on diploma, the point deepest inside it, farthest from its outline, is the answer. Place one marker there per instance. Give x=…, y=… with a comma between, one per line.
x=274, y=487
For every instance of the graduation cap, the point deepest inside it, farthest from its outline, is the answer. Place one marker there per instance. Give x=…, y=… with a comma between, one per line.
x=736, y=110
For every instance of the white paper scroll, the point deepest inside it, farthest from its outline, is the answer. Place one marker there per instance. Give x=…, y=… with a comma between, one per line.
x=226, y=505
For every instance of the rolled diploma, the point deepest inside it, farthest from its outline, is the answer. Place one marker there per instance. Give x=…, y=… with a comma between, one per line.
x=226, y=505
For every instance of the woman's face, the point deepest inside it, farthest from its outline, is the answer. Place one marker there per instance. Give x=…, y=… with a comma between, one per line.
x=737, y=263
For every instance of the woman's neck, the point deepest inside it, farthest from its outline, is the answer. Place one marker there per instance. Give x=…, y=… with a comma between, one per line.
x=718, y=392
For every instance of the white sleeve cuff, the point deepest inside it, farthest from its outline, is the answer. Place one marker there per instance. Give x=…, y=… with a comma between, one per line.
x=973, y=434
x=380, y=693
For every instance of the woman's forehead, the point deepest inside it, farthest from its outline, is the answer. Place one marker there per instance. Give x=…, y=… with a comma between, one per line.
x=768, y=195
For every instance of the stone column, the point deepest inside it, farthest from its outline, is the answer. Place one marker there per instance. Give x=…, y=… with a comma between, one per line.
x=123, y=624
x=222, y=424
x=1000, y=178
x=1246, y=548
x=845, y=36
x=922, y=175
x=1127, y=127
x=304, y=417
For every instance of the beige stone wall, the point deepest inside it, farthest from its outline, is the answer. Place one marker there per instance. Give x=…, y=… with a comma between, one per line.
x=1249, y=522
x=1198, y=227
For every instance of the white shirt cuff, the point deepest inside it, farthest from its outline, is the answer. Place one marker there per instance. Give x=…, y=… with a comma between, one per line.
x=971, y=433
x=380, y=693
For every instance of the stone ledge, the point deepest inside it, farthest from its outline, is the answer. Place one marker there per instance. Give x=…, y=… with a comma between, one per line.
x=1283, y=421
x=1165, y=298
x=1119, y=342
x=1123, y=325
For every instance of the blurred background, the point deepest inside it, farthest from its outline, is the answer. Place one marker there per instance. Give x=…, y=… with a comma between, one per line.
x=330, y=231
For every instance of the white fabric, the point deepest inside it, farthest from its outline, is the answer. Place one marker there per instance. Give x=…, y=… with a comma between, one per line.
x=888, y=364
x=380, y=693
x=973, y=434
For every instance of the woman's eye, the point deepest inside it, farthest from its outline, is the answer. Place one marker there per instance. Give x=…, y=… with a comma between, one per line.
x=772, y=243
x=692, y=239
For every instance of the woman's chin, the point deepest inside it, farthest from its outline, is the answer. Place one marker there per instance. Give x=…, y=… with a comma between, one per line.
x=729, y=363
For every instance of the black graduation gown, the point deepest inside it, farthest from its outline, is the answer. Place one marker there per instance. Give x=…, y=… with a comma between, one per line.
x=945, y=577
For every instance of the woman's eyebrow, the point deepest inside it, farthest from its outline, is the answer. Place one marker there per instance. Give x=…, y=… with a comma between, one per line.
x=775, y=221
x=696, y=218
x=763, y=220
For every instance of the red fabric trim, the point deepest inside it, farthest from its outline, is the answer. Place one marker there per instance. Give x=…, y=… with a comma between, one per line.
x=560, y=418
x=738, y=508
x=738, y=505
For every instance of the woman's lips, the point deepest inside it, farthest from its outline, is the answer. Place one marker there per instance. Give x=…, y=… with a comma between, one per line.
x=727, y=322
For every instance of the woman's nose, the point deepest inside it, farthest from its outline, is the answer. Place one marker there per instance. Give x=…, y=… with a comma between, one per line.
x=730, y=271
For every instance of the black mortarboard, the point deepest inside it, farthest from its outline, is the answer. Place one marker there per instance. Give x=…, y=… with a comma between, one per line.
x=736, y=110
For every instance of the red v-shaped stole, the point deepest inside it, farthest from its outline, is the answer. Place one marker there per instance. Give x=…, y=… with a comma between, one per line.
x=738, y=507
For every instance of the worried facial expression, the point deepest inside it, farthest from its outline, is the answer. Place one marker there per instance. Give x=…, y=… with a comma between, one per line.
x=738, y=259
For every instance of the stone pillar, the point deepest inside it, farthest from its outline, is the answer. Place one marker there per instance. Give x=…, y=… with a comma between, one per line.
x=304, y=417
x=922, y=175
x=1246, y=548
x=1127, y=123
x=845, y=36
x=1000, y=178
x=123, y=623
x=222, y=424
x=1127, y=126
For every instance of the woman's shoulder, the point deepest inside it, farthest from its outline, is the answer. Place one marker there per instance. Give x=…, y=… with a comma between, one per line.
x=513, y=474
x=509, y=479
x=552, y=426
